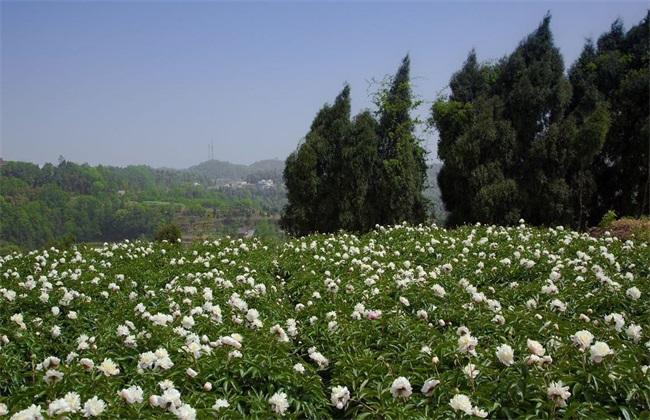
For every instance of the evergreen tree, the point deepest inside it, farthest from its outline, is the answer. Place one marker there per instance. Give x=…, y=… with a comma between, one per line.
x=354, y=174
x=620, y=67
x=513, y=141
x=404, y=167
x=312, y=173
x=588, y=124
x=476, y=145
x=361, y=170
x=535, y=93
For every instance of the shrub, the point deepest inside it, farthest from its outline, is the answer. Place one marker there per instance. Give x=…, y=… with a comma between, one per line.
x=607, y=219
x=169, y=232
x=64, y=242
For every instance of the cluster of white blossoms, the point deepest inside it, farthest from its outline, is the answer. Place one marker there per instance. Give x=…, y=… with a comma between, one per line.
x=153, y=360
x=279, y=403
x=462, y=403
x=340, y=397
x=399, y=319
x=558, y=393
x=170, y=400
x=318, y=358
x=401, y=388
x=71, y=404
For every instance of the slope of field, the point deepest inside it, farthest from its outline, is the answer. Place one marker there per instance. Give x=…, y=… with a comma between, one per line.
x=404, y=322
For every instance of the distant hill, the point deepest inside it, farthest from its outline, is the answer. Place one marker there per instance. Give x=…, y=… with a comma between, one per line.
x=66, y=203
x=217, y=169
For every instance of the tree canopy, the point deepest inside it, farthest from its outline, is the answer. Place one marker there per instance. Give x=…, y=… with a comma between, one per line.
x=354, y=173
x=519, y=138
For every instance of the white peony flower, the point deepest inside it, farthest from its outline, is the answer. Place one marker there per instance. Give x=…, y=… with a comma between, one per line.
x=534, y=347
x=401, y=388
x=470, y=371
x=185, y=412
x=599, y=351
x=33, y=412
x=582, y=339
x=616, y=319
x=219, y=404
x=298, y=367
x=94, y=407
x=467, y=344
x=340, y=396
x=109, y=368
x=53, y=376
x=461, y=402
x=131, y=395
x=429, y=385
x=71, y=403
x=317, y=357
x=634, y=332
x=86, y=363
x=279, y=403
x=505, y=354
x=558, y=393
x=633, y=293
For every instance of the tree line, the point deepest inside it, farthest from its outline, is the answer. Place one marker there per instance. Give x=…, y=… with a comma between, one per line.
x=353, y=173
x=518, y=138
x=68, y=202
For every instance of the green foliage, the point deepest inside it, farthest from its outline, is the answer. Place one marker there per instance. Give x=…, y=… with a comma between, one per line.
x=519, y=139
x=620, y=72
x=44, y=205
x=6, y=249
x=427, y=282
x=355, y=173
x=64, y=242
x=169, y=232
x=268, y=231
x=607, y=219
x=216, y=169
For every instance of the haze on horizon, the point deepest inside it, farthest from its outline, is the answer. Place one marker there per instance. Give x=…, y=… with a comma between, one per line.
x=123, y=83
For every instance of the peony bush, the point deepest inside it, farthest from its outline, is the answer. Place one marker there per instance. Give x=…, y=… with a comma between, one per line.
x=403, y=322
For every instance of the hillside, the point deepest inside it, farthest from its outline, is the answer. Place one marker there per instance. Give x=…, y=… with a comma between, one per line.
x=216, y=169
x=403, y=322
x=49, y=205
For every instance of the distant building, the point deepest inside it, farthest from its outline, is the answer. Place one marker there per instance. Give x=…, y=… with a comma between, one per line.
x=121, y=193
x=265, y=183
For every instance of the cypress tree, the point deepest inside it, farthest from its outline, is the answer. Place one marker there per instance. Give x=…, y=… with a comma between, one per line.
x=515, y=142
x=312, y=173
x=476, y=145
x=403, y=172
x=361, y=168
x=621, y=74
x=587, y=125
x=536, y=93
x=354, y=174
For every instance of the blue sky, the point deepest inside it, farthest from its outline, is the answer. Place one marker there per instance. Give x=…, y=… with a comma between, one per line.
x=155, y=82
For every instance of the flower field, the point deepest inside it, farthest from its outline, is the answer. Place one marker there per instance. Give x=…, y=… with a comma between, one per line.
x=403, y=322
